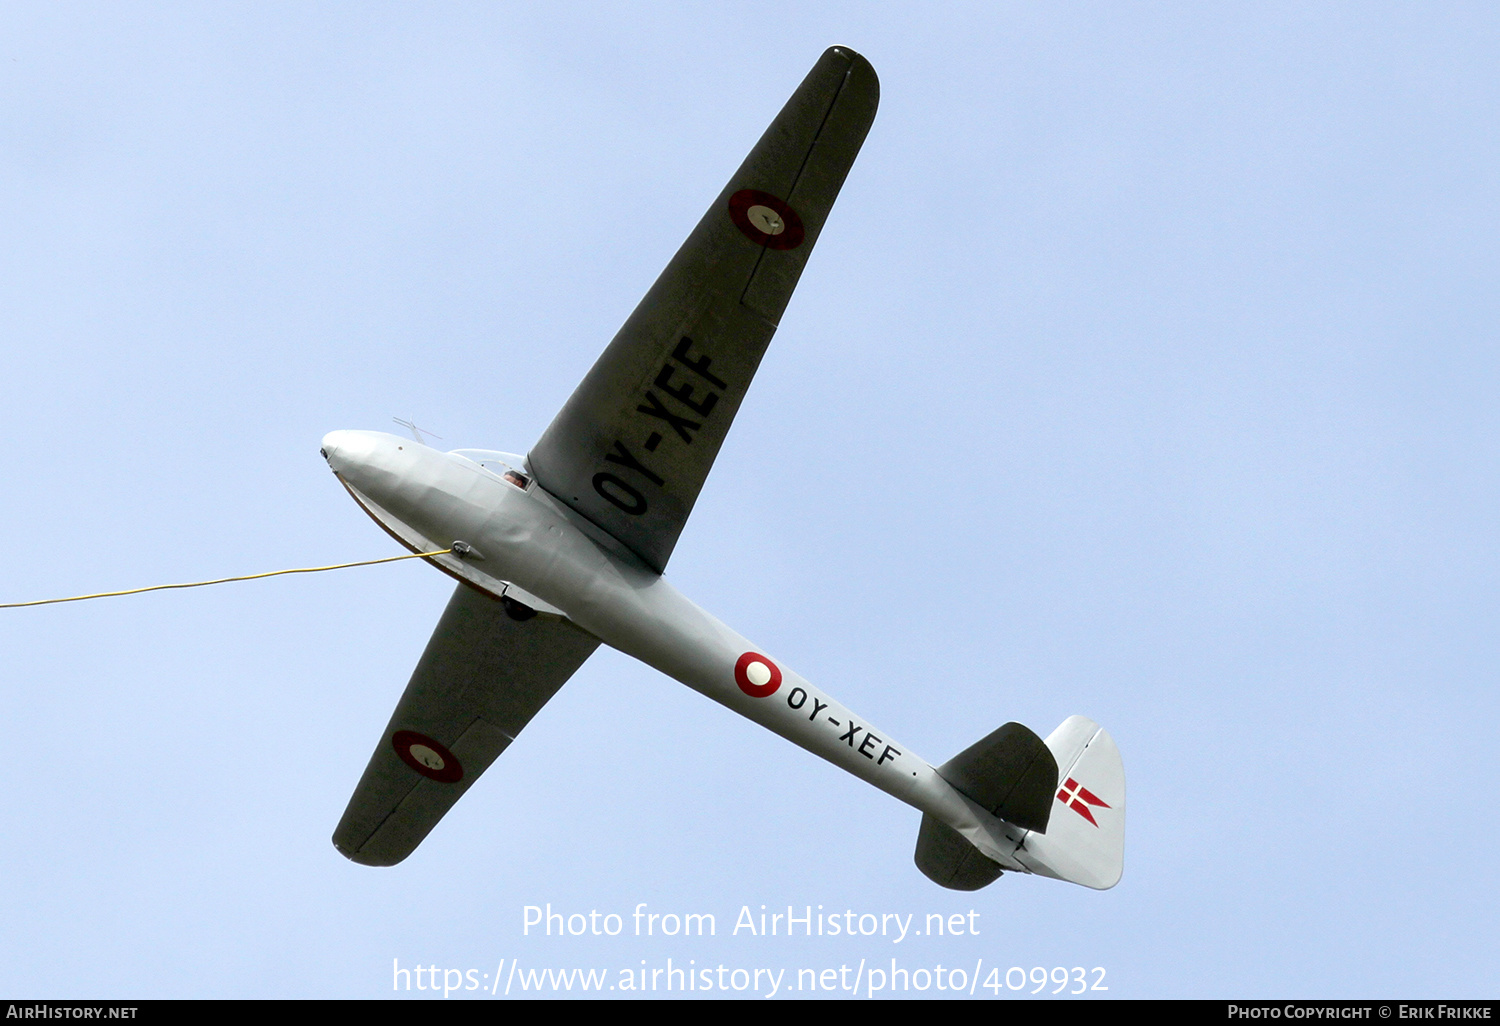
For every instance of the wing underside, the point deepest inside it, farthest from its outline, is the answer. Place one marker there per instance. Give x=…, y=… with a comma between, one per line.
x=489, y=667
x=631, y=449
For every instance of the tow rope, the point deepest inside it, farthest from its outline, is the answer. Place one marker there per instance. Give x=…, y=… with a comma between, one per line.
x=224, y=580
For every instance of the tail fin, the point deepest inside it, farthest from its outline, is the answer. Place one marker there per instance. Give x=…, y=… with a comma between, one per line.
x=1011, y=774
x=1085, y=840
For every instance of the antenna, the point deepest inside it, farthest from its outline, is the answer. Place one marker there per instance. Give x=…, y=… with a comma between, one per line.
x=416, y=432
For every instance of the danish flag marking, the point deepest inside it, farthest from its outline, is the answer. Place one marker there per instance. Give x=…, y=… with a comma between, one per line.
x=1078, y=798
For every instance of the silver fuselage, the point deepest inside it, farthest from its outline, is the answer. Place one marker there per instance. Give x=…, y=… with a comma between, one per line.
x=529, y=540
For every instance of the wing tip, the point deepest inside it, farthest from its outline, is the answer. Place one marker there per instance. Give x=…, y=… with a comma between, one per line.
x=365, y=858
x=859, y=67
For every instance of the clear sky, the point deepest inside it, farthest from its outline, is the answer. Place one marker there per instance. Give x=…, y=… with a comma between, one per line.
x=1146, y=369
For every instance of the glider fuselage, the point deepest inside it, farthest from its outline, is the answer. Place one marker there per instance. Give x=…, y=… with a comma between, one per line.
x=524, y=538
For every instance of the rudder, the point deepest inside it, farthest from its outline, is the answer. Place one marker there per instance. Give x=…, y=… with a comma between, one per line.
x=1086, y=842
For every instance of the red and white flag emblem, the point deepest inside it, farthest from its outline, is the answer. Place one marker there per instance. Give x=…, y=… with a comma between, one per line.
x=1078, y=798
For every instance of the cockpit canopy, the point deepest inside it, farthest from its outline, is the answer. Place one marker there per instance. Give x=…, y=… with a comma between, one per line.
x=506, y=465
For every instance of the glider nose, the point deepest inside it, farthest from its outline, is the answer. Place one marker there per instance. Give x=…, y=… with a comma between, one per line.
x=340, y=447
x=329, y=448
x=355, y=455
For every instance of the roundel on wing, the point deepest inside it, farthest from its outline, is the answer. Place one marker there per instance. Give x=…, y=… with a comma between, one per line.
x=765, y=220
x=756, y=675
x=428, y=757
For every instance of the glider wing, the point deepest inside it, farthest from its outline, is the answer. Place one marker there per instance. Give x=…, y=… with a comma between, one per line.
x=631, y=449
x=484, y=675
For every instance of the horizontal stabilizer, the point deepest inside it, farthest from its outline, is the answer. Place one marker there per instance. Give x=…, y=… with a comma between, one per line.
x=948, y=860
x=1011, y=774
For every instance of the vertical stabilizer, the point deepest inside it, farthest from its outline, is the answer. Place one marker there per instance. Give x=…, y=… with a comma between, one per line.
x=1085, y=838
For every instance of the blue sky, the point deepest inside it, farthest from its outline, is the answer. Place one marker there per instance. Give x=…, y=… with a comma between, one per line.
x=1145, y=370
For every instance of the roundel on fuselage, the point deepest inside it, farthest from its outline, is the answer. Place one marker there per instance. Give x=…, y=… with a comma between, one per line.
x=756, y=675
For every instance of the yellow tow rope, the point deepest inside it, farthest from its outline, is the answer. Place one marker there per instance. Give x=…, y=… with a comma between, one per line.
x=224, y=580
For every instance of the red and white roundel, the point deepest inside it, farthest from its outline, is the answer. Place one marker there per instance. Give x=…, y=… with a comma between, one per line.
x=427, y=757
x=765, y=219
x=756, y=675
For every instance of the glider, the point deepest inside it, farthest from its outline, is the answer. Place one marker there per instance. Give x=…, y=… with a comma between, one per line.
x=563, y=549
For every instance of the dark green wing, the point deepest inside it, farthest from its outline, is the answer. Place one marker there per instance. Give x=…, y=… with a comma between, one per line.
x=632, y=447
x=484, y=675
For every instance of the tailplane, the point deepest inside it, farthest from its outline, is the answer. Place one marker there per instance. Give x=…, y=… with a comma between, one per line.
x=1010, y=774
x=1066, y=793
